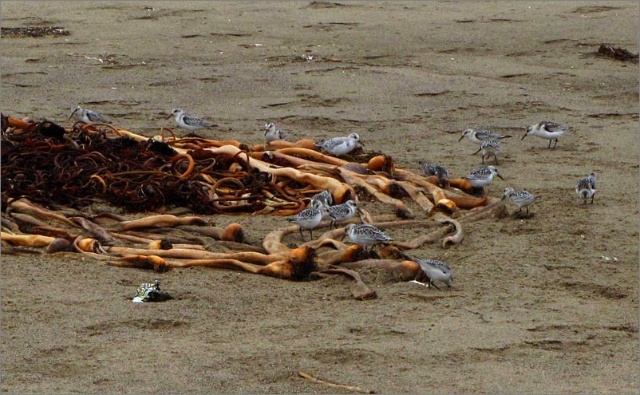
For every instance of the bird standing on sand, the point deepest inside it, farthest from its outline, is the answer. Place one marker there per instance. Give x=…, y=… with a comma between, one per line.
x=188, y=121
x=86, y=116
x=547, y=130
x=308, y=219
x=324, y=198
x=436, y=271
x=477, y=136
x=519, y=198
x=342, y=212
x=586, y=187
x=488, y=148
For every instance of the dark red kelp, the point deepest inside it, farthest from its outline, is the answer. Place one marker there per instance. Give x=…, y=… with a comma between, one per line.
x=83, y=167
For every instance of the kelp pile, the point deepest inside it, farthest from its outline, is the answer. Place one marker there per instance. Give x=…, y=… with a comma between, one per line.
x=51, y=173
x=90, y=165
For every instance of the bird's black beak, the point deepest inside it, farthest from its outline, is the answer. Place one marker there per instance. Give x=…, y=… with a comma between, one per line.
x=498, y=174
x=170, y=115
x=525, y=135
x=461, y=137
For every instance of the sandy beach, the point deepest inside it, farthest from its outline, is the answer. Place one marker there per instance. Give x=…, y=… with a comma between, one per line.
x=547, y=304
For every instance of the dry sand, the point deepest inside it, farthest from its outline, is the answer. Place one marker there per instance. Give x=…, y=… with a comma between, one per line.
x=534, y=309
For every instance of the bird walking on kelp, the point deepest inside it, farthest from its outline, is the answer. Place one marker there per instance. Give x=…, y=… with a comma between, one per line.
x=366, y=235
x=272, y=133
x=339, y=146
x=440, y=172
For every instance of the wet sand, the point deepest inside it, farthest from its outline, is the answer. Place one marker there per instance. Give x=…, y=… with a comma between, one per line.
x=535, y=307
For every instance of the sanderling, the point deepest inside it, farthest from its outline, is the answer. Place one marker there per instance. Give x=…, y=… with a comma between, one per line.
x=86, y=116
x=519, y=198
x=482, y=176
x=308, y=219
x=272, y=133
x=547, y=130
x=339, y=146
x=477, y=136
x=366, y=235
x=431, y=169
x=188, y=121
x=586, y=188
x=342, y=212
x=324, y=197
x=436, y=271
x=488, y=148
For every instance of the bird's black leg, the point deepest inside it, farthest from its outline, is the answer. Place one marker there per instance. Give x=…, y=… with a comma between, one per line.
x=549, y=144
x=432, y=283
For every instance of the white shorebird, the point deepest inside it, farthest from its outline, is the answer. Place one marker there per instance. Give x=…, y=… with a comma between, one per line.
x=481, y=177
x=547, y=130
x=86, y=116
x=431, y=169
x=188, y=121
x=324, y=198
x=488, y=148
x=339, y=146
x=272, y=133
x=308, y=219
x=366, y=235
x=519, y=198
x=477, y=136
x=586, y=188
x=436, y=271
x=342, y=212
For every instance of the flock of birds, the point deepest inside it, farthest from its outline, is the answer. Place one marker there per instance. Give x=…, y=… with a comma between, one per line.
x=321, y=206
